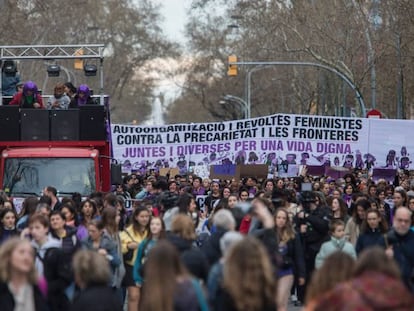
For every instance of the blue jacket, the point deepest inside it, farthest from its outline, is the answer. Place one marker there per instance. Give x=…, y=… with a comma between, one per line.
x=8, y=84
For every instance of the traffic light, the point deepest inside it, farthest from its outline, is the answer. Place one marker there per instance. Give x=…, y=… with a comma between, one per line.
x=232, y=70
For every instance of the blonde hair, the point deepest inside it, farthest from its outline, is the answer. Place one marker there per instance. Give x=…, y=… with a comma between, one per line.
x=249, y=276
x=91, y=268
x=6, y=250
x=287, y=233
x=182, y=225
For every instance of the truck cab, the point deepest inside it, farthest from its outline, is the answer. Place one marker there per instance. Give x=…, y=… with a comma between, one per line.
x=71, y=166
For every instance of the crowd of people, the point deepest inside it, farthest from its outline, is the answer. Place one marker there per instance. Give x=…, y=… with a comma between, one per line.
x=188, y=243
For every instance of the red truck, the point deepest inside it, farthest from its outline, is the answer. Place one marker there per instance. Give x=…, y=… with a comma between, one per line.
x=67, y=149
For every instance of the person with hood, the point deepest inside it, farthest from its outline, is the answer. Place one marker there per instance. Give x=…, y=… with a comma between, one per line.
x=50, y=263
x=59, y=100
x=337, y=243
x=29, y=98
x=82, y=97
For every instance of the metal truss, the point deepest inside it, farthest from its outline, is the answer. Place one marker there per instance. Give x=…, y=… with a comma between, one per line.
x=78, y=51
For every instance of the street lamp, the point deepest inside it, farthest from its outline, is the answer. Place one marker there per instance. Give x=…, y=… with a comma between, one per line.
x=243, y=104
x=262, y=65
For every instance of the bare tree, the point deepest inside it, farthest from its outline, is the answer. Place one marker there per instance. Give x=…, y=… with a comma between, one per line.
x=129, y=29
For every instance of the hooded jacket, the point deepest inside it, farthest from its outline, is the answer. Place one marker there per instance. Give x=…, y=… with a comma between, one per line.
x=331, y=247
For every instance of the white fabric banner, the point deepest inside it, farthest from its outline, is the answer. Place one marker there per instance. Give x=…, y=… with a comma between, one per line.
x=272, y=140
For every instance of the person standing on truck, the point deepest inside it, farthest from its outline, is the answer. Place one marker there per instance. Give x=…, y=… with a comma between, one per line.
x=70, y=90
x=9, y=81
x=29, y=98
x=59, y=100
x=82, y=97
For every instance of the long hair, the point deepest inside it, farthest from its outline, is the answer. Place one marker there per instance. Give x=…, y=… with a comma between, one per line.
x=287, y=232
x=374, y=259
x=248, y=276
x=184, y=202
x=163, y=232
x=134, y=222
x=325, y=278
x=94, y=210
x=109, y=219
x=161, y=278
x=382, y=226
x=364, y=203
x=29, y=206
x=6, y=251
x=342, y=206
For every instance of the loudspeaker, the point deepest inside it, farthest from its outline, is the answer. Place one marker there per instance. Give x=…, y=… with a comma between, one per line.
x=116, y=174
x=64, y=124
x=9, y=123
x=92, y=122
x=34, y=124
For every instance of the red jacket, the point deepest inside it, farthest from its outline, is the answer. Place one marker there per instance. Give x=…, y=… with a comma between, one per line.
x=18, y=100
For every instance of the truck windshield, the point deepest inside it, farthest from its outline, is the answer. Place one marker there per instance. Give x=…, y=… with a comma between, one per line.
x=32, y=175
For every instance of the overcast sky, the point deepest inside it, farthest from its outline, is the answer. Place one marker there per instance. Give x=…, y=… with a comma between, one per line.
x=175, y=18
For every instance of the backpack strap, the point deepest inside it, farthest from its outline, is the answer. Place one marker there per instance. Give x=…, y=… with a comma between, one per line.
x=200, y=296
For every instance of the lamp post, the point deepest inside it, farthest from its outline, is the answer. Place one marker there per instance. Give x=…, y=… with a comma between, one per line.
x=243, y=104
x=262, y=65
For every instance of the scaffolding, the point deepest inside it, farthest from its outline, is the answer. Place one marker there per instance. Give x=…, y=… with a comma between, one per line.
x=54, y=52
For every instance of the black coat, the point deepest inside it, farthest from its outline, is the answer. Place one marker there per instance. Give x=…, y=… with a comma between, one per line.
x=403, y=247
x=211, y=247
x=193, y=259
x=7, y=300
x=317, y=222
x=74, y=102
x=368, y=239
x=294, y=256
x=58, y=274
x=97, y=298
